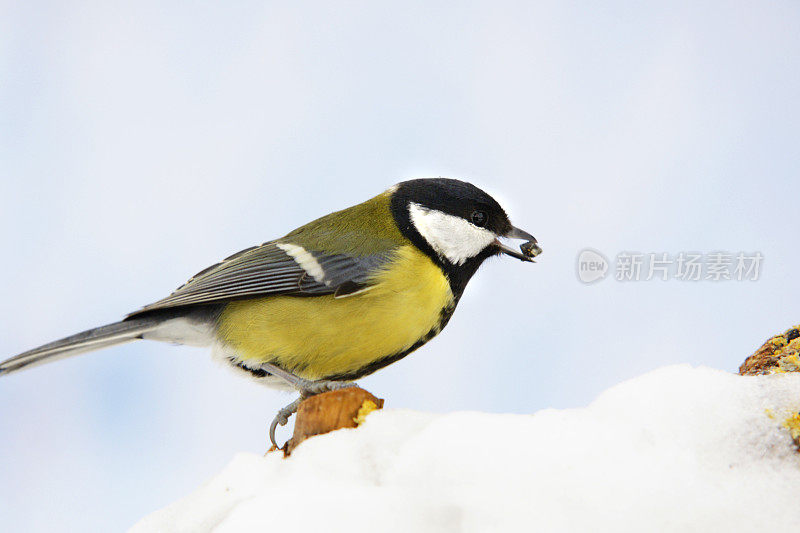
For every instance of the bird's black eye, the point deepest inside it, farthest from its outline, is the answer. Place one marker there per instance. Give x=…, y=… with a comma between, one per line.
x=479, y=218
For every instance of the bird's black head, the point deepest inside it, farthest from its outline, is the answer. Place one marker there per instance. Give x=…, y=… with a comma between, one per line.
x=457, y=224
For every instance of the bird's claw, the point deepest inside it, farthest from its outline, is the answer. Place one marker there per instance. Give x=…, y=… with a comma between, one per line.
x=282, y=418
x=307, y=389
x=312, y=388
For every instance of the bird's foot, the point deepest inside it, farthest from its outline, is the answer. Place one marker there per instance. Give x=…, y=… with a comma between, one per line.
x=307, y=388
x=282, y=418
x=312, y=388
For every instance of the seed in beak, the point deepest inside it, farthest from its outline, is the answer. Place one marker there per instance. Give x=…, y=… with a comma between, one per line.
x=530, y=249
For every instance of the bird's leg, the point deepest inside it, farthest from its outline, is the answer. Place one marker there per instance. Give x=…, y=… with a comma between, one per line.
x=306, y=387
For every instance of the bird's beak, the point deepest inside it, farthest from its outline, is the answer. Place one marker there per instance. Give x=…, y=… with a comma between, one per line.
x=528, y=250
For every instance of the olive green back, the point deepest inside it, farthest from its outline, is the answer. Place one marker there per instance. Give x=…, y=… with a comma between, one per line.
x=364, y=229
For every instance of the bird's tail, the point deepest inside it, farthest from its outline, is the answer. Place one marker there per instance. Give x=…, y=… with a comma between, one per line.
x=86, y=341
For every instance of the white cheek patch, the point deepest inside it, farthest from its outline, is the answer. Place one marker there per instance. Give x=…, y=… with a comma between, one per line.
x=450, y=236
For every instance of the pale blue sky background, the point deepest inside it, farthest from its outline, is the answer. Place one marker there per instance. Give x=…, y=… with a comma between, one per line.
x=141, y=142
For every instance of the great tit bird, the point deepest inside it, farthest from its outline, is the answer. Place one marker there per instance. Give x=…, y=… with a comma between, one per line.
x=332, y=301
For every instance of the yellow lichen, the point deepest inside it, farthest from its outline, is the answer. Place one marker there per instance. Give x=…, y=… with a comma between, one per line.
x=789, y=363
x=780, y=340
x=793, y=425
x=366, y=408
x=781, y=353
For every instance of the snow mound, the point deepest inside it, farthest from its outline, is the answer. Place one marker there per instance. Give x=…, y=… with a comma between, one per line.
x=678, y=449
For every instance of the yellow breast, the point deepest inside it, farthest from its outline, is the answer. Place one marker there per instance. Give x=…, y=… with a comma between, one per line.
x=319, y=336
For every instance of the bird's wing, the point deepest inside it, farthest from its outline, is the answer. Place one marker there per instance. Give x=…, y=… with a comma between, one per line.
x=276, y=268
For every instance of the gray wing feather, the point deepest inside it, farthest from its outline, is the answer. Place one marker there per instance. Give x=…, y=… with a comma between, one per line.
x=268, y=270
x=340, y=268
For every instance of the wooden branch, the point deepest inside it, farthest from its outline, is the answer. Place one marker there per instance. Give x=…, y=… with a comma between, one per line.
x=329, y=411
